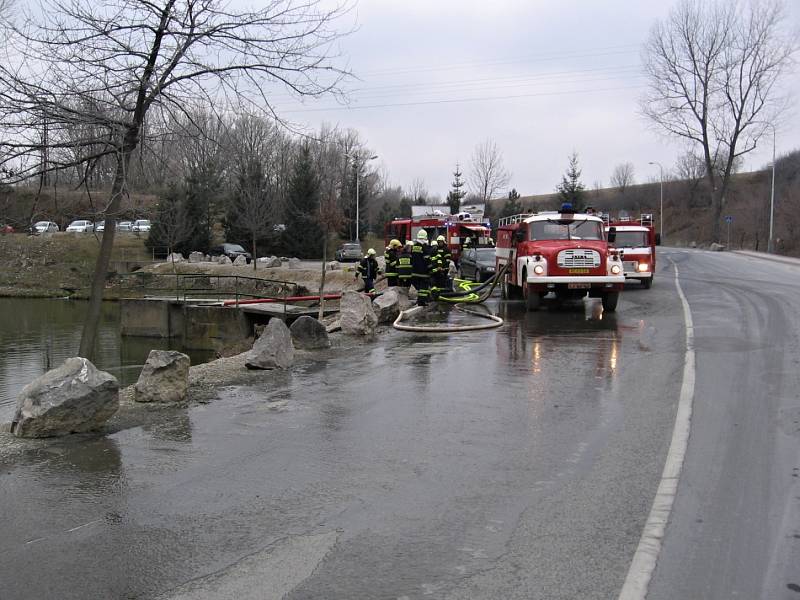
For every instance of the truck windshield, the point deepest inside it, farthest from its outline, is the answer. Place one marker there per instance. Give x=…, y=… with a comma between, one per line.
x=631, y=239
x=566, y=229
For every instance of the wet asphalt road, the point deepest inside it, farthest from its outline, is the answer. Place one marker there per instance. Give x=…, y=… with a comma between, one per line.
x=515, y=463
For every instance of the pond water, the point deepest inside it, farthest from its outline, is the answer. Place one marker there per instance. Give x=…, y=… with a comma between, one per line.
x=38, y=334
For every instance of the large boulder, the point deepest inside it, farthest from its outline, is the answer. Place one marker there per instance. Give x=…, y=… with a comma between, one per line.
x=333, y=266
x=273, y=349
x=222, y=260
x=357, y=316
x=175, y=257
x=294, y=263
x=240, y=260
x=164, y=378
x=73, y=398
x=270, y=261
x=388, y=305
x=196, y=257
x=309, y=334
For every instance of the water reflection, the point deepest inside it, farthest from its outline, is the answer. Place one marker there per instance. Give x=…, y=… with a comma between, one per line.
x=37, y=334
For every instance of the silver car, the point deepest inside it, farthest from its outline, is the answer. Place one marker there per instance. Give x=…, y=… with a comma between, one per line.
x=44, y=227
x=142, y=225
x=80, y=227
x=350, y=251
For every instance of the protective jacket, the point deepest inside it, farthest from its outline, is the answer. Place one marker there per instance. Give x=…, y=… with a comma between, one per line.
x=391, y=256
x=368, y=268
x=420, y=260
x=404, y=268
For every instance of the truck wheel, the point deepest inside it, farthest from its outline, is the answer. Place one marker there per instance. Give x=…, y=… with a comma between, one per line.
x=532, y=297
x=610, y=300
x=647, y=283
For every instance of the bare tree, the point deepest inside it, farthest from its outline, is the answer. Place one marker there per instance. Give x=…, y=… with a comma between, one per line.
x=252, y=204
x=109, y=63
x=622, y=177
x=488, y=176
x=419, y=191
x=713, y=69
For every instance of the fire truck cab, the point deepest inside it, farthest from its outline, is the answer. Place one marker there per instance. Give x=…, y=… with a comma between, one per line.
x=563, y=252
x=456, y=229
x=636, y=242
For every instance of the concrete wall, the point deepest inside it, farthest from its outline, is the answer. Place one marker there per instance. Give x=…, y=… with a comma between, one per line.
x=145, y=317
x=217, y=328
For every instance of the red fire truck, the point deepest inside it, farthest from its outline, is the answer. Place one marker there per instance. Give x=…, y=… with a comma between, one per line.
x=636, y=242
x=455, y=228
x=563, y=252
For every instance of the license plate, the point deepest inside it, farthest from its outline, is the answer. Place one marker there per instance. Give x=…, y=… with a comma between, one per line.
x=578, y=271
x=579, y=286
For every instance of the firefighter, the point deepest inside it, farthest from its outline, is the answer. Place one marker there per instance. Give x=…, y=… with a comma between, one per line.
x=440, y=265
x=391, y=255
x=404, y=270
x=368, y=270
x=421, y=267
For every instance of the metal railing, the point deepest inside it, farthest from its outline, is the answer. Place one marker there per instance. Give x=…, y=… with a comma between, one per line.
x=186, y=287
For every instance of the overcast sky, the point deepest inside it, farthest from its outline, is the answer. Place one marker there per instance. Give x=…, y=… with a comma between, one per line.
x=540, y=77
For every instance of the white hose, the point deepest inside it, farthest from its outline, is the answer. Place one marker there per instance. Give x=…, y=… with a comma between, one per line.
x=495, y=322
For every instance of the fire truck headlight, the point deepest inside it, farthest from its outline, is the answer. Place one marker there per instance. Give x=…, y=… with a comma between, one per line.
x=643, y=267
x=615, y=269
x=538, y=269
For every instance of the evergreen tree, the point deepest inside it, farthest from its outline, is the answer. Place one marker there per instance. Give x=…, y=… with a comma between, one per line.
x=250, y=210
x=404, y=208
x=512, y=206
x=456, y=194
x=203, y=186
x=172, y=227
x=571, y=189
x=303, y=231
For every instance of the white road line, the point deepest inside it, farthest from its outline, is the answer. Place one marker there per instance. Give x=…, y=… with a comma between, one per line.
x=644, y=560
x=84, y=525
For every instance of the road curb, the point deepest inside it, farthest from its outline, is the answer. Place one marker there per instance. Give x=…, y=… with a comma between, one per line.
x=787, y=260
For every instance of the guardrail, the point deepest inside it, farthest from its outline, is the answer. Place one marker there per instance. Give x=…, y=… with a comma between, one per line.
x=185, y=287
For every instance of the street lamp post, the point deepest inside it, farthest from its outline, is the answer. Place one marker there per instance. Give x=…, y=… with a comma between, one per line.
x=355, y=166
x=661, y=206
x=770, y=245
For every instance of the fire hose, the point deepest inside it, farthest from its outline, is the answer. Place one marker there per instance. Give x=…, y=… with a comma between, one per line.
x=467, y=295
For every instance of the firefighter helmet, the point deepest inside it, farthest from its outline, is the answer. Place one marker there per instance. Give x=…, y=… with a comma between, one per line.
x=371, y=252
x=441, y=238
x=422, y=234
x=395, y=244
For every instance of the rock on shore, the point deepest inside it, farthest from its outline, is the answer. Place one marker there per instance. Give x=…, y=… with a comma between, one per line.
x=309, y=334
x=73, y=398
x=273, y=349
x=164, y=378
x=357, y=315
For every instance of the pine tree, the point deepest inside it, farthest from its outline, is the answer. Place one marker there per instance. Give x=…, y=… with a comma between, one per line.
x=172, y=226
x=202, y=189
x=456, y=194
x=303, y=231
x=571, y=189
x=512, y=205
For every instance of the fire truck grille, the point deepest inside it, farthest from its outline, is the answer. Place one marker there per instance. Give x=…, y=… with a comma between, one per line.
x=629, y=266
x=570, y=259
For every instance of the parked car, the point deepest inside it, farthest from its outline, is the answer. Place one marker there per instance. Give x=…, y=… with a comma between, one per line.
x=349, y=251
x=231, y=251
x=44, y=227
x=125, y=226
x=100, y=226
x=80, y=227
x=4, y=228
x=141, y=225
x=477, y=264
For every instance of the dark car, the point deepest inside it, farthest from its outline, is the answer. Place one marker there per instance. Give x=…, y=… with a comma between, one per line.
x=477, y=264
x=350, y=251
x=231, y=251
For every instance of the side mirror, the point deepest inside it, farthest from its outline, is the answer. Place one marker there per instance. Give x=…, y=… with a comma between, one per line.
x=658, y=239
x=519, y=235
x=612, y=235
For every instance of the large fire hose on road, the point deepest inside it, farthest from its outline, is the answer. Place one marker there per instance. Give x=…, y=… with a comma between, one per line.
x=470, y=293
x=495, y=321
